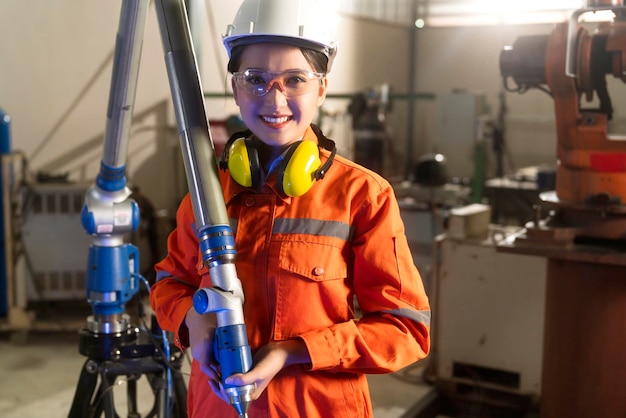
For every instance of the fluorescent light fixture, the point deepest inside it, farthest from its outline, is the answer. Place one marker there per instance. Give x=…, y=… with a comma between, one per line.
x=497, y=12
x=432, y=13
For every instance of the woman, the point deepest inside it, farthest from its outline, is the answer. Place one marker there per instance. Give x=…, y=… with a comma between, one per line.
x=314, y=232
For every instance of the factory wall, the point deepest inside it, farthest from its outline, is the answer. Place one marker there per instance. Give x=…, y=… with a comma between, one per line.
x=467, y=59
x=56, y=74
x=55, y=71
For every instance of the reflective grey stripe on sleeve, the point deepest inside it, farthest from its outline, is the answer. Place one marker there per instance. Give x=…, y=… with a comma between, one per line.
x=417, y=316
x=309, y=226
x=233, y=224
x=161, y=275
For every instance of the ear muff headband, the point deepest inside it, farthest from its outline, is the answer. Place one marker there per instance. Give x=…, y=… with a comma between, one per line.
x=300, y=168
x=328, y=145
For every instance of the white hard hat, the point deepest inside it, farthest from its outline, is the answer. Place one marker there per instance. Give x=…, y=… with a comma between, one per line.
x=304, y=23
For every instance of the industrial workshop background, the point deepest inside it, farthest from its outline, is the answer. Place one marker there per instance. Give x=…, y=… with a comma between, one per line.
x=56, y=75
x=414, y=80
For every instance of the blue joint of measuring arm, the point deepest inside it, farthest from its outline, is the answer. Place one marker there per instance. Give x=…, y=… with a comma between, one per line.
x=111, y=179
x=217, y=244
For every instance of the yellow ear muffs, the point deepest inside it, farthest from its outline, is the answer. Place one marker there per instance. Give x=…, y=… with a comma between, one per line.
x=297, y=175
x=243, y=162
x=299, y=168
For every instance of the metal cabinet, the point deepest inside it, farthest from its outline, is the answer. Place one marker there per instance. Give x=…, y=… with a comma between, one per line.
x=488, y=316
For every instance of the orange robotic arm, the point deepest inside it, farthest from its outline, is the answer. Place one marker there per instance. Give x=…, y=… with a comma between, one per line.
x=591, y=161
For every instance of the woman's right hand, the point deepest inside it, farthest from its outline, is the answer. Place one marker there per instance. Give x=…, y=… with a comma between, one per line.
x=201, y=334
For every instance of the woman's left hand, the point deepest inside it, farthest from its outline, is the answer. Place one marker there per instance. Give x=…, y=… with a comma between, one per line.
x=270, y=360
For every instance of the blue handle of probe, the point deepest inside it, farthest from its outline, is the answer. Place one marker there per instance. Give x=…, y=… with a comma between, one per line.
x=232, y=351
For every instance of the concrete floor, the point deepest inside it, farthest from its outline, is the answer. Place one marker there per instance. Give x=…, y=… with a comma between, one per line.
x=39, y=372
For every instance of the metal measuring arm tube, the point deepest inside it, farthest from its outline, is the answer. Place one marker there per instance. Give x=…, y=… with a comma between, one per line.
x=108, y=213
x=225, y=297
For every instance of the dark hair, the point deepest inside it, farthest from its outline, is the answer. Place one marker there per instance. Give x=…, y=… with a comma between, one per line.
x=317, y=59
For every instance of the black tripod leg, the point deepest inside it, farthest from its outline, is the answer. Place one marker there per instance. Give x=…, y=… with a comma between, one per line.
x=84, y=390
x=131, y=396
x=159, y=390
x=170, y=397
x=105, y=401
x=180, y=393
x=88, y=401
x=162, y=395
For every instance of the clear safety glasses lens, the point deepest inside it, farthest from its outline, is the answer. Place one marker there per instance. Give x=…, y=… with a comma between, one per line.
x=291, y=83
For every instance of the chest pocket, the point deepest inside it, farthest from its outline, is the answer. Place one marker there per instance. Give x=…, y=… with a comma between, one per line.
x=312, y=288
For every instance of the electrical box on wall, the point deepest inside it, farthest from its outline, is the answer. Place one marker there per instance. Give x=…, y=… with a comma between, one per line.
x=490, y=314
x=55, y=242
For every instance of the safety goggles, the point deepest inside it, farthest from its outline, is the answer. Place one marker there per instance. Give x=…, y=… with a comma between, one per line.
x=291, y=83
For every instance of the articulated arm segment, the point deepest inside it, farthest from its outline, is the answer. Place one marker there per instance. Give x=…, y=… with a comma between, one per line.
x=108, y=213
x=215, y=236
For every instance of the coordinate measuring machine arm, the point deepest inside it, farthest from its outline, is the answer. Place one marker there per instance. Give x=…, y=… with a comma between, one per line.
x=109, y=213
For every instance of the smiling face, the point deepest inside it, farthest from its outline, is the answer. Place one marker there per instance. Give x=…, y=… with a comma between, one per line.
x=275, y=118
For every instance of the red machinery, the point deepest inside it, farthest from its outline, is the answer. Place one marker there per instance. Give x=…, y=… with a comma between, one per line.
x=584, y=361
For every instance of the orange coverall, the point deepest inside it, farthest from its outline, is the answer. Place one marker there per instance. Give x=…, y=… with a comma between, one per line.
x=302, y=261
